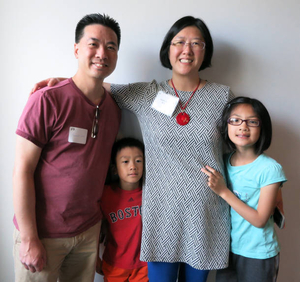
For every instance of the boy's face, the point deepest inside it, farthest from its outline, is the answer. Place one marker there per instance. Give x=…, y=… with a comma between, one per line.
x=130, y=165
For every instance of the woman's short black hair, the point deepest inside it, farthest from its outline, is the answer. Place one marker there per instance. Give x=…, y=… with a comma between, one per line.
x=264, y=141
x=177, y=27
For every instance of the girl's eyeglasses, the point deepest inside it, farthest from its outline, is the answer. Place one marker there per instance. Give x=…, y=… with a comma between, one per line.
x=239, y=121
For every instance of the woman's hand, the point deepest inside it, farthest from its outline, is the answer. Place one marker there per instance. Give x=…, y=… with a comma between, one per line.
x=53, y=81
x=215, y=180
x=46, y=82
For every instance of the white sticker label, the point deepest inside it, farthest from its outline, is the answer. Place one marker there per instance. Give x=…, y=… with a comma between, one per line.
x=165, y=103
x=77, y=135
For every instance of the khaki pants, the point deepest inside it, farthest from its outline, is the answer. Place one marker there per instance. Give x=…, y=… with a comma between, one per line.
x=68, y=259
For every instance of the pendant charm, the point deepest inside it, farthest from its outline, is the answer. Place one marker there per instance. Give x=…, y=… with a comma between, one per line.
x=183, y=118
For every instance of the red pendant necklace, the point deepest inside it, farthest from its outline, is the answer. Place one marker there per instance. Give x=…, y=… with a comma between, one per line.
x=183, y=118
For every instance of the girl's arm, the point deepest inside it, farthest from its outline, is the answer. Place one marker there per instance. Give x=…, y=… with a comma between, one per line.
x=266, y=203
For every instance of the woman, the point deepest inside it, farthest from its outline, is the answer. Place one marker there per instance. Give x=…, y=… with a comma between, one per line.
x=184, y=223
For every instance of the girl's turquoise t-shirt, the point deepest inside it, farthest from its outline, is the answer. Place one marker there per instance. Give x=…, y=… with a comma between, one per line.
x=246, y=181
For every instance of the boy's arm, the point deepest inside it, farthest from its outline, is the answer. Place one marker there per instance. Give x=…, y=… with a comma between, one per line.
x=102, y=239
x=99, y=265
x=99, y=260
x=32, y=253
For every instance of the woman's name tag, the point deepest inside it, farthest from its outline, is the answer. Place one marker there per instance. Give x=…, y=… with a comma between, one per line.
x=165, y=103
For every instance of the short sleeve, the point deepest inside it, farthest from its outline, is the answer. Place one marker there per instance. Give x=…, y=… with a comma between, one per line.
x=37, y=119
x=272, y=174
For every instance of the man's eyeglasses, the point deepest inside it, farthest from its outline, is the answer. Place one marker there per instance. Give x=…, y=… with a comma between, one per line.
x=95, y=127
x=195, y=45
x=239, y=121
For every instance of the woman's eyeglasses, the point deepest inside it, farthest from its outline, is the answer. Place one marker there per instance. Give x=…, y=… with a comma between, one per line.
x=195, y=45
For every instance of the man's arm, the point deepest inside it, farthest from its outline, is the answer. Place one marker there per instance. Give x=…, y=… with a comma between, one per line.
x=32, y=253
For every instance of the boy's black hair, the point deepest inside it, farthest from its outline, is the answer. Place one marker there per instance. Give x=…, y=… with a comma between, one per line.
x=177, y=27
x=264, y=141
x=124, y=143
x=97, y=19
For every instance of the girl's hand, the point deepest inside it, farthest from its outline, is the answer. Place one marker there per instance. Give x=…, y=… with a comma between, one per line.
x=215, y=180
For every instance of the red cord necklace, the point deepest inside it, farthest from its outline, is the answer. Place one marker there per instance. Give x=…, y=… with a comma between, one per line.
x=183, y=118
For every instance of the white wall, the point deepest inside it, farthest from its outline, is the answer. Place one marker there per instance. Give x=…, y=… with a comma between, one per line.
x=256, y=52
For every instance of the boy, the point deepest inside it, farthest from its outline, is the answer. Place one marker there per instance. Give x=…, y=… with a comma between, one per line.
x=121, y=207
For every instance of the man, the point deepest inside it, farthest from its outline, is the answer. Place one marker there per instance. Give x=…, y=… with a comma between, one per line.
x=65, y=135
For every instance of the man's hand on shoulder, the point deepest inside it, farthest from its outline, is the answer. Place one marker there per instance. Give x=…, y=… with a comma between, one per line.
x=33, y=255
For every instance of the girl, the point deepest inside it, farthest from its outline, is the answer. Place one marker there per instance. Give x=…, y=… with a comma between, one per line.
x=254, y=180
x=121, y=208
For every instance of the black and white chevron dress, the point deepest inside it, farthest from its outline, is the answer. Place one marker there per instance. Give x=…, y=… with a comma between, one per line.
x=183, y=220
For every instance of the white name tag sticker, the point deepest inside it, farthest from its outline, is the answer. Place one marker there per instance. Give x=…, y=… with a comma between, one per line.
x=165, y=103
x=77, y=135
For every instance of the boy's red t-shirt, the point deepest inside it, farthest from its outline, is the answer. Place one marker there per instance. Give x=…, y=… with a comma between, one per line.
x=122, y=210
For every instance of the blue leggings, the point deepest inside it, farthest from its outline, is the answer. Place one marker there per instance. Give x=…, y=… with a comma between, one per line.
x=168, y=272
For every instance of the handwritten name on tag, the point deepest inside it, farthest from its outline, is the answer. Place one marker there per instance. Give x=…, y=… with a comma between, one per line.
x=165, y=103
x=77, y=135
